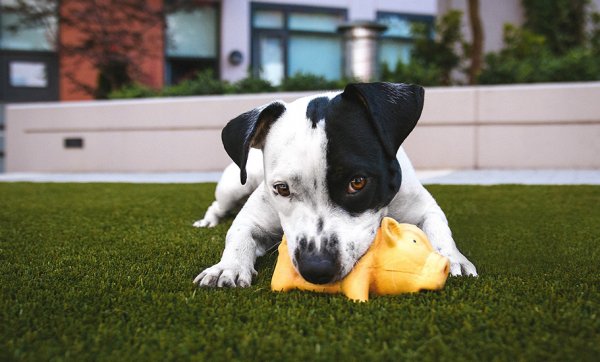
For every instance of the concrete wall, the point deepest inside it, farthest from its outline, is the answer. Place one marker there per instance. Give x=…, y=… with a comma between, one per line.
x=517, y=126
x=177, y=134
x=523, y=126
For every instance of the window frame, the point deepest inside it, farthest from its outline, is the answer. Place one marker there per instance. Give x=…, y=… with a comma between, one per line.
x=214, y=61
x=48, y=57
x=285, y=33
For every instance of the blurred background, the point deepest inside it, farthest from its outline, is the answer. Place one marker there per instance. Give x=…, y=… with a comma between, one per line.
x=73, y=50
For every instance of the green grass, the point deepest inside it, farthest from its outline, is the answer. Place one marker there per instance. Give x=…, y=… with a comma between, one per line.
x=104, y=271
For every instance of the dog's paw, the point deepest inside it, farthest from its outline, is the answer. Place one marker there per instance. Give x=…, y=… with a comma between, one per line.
x=225, y=275
x=211, y=218
x=459, y=264
x=207, y=222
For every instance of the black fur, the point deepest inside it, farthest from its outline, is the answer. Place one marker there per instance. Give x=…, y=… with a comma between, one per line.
x=315, y=111
x=365, y=126
x=393, y=109
x=249, y=130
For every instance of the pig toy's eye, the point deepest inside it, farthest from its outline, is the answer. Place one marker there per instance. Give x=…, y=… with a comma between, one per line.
x=414, y=241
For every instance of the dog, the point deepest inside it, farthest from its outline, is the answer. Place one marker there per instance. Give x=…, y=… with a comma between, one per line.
x=324, y=170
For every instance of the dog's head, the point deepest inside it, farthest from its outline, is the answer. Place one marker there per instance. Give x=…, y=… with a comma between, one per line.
x=330, y=168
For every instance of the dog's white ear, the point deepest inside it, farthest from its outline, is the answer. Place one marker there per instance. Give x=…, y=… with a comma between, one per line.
x=393, y=108
x=249, y=130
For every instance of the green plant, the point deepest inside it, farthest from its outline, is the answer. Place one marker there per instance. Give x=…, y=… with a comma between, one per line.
x=526, y=58
x=412, y=72
x=133, y=91
x=438, y=54
x=203, y=83
x=304, y=81
x=433, y=58
x=595, y=34
x=561, y=22
x=252, y=85
x=111, y=76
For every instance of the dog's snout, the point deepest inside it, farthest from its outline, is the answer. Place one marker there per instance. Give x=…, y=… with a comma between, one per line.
x=317, y=268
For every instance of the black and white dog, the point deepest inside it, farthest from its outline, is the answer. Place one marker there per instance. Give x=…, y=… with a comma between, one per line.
x=330, y=169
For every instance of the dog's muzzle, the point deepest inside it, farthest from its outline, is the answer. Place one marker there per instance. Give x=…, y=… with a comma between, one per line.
x=317, y=268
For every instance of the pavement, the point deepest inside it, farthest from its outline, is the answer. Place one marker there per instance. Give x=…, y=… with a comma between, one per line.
x=445, y=177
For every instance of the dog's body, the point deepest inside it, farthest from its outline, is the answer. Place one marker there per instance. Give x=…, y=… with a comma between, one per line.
x=330, y=169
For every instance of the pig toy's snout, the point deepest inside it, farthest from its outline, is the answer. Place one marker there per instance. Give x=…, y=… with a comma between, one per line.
x=444, y=266
x=435, y=271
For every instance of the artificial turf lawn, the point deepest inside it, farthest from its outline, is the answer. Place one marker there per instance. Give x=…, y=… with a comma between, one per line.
x=104, y=272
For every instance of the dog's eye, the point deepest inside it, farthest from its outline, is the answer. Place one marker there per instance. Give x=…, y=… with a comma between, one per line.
x=282, y=189
x=356, y=184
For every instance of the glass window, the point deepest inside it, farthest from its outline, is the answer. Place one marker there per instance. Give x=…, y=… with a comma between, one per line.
x=304, y=56
x=191, y=42
x=192, y=33
x=391, y=52
x=288, y=39
x=398, y=26
x=268, y=19
x=17, y=33
x=315, y=22
x=28, y=74
x=271, y=59
x=397, y=41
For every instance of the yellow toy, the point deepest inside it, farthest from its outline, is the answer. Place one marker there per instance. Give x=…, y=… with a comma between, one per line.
x=400, y=260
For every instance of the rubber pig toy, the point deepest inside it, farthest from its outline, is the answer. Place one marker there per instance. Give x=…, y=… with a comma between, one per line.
x=400, y=260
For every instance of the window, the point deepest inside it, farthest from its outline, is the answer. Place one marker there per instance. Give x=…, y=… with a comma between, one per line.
x=34, y=32
x=397, y=41
x=287, y=40
x=28, y=74
x=28, y=58
x=191, y=42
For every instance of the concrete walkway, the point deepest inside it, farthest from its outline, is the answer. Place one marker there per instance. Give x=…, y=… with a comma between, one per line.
x=448, y=177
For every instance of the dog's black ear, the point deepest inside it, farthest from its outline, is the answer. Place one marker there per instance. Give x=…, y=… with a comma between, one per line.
x=394, y=109
x=249, y=130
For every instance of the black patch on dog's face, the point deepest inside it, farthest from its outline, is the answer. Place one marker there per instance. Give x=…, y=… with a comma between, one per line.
x=315, y=111
x=354, y=150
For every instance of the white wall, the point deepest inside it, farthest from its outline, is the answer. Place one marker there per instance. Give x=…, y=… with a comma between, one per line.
x=522, y=126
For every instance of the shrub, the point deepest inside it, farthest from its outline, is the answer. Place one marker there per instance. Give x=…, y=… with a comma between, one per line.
x=252, y=85
x=526, y=58
x=203, y=83
x=305, y=81
x=438, y=55
x=133, y=91
x=411, y=73
x=561, y=22
x=432, y=59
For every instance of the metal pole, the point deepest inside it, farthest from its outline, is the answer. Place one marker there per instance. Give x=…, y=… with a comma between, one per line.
x=360, y=44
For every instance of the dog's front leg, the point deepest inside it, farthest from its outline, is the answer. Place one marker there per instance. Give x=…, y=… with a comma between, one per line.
x=435, y=225
x=415, y=205
x=255, y=230
x=421, y=209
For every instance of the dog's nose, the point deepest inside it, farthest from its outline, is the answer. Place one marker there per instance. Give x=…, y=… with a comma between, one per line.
x=317, y=268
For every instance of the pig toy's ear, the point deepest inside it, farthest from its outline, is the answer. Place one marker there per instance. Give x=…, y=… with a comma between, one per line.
x=390, y=231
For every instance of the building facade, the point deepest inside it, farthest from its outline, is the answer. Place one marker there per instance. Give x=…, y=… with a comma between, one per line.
x=42, y=59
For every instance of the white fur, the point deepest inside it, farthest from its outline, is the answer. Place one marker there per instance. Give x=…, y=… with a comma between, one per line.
x=294, y=153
